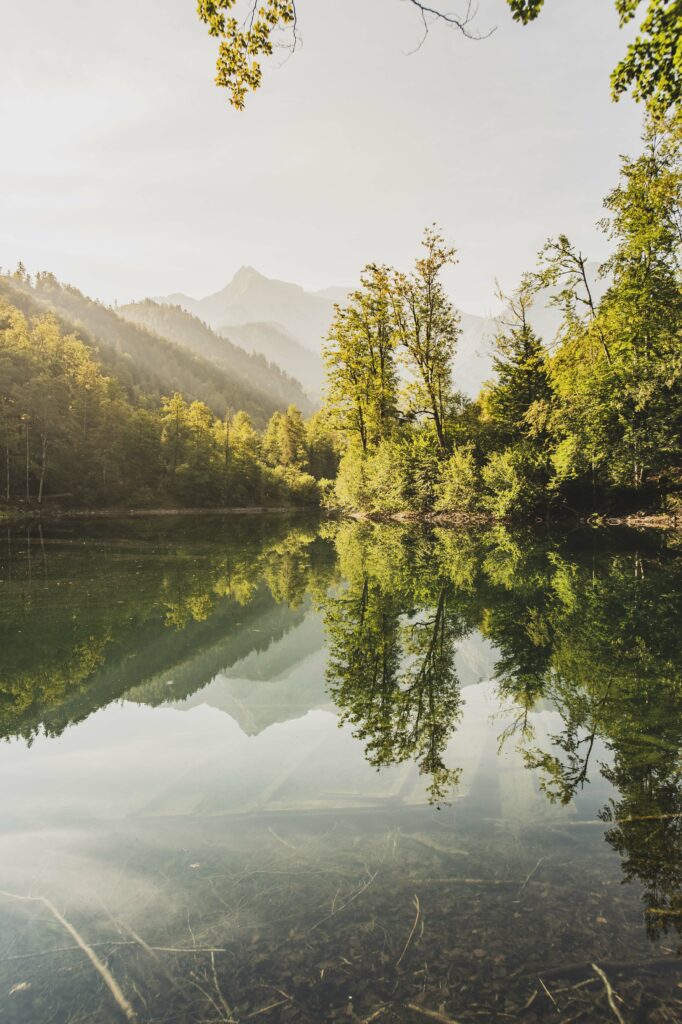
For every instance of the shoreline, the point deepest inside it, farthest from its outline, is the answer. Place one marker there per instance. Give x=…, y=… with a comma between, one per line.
x=637, y=520
x=50, y=515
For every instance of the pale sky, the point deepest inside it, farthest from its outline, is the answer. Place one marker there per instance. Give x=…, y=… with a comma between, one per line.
x=125, y=171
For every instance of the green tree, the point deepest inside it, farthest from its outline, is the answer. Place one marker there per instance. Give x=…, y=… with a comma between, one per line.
x=652, y=66
x=175, y=430
x=521, y=393
x=244, y=475
x=360, y=358
x=458, y=486
x=642, y=309
x=428, y=328
x=618, y=369
x=271, y=443
x=322, y=445
x=294, y=452
x=512, y=482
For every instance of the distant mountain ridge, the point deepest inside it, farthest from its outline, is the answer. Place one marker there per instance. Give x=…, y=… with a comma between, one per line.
x=250, y=297
x=250, y=364
x=288, y=324
x=153, y=359
x=280, y=347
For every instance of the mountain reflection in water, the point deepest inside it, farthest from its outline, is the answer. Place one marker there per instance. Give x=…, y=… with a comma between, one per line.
x=281, y=770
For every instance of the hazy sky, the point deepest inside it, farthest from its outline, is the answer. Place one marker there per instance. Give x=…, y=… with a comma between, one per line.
x=126, y=172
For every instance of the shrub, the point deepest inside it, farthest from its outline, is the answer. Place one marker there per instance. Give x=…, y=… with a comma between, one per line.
x=458, y=489
x=292, y=486
x=510, y=486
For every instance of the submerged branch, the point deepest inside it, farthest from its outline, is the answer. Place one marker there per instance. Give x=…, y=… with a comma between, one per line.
x=124, y=1006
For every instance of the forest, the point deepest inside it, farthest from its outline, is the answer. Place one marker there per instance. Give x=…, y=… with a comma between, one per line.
x=86, y=420
x=589, y=420
x=146, y=407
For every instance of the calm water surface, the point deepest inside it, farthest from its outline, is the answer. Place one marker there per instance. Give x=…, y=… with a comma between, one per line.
x=261, y=769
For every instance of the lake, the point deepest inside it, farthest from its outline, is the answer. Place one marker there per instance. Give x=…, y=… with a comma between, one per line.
x=272, y=769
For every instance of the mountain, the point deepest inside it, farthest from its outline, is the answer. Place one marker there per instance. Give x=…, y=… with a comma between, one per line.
x=287, y=324
x=473, y=362
x=282, y=682
x=251, y=364
x=333, y=294
x=280, y=347
x=251, y=297
x=149, y=366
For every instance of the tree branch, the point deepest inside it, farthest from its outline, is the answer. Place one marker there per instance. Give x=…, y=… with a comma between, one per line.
x=460, y=22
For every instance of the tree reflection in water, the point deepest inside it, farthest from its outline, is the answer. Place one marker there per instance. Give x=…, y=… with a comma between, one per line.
x=586, y=624
x=591, y=629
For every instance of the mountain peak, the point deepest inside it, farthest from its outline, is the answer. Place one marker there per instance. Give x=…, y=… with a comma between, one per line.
x=247, y=274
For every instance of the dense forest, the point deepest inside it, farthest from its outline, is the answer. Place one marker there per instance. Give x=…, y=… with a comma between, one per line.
x=588, y=420
x=251, y=369
x=98, y=412
x=150, y=365
x=146, y=406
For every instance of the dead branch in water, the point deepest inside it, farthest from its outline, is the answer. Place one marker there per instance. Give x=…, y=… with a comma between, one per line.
x=610, y=994
x=218, y=989
x=431, y=1014
x=409, y=937
x=109, y=980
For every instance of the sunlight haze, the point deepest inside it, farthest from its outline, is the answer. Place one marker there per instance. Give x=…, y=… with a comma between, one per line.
x=129, y=174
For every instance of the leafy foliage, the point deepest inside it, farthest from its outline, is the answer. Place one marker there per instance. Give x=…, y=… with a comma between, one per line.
x=589, y=420
x=651, y=67
x=242, y=44
x=71, y=433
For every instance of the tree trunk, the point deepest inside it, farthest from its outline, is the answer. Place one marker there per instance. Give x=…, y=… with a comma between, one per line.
x=435, y=411
x=28, y=489
x=43, y=463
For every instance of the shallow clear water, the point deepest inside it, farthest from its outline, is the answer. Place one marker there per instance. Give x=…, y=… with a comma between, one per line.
x=278, y=770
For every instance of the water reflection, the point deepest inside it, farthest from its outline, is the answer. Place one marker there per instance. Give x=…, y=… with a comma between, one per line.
x=172, y=691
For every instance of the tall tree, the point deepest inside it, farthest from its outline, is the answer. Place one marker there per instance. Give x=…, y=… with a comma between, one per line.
x=360, y=352
x=294, y=452
x=428, y=328
x=518, y=400
x=618, y=370
x=642, y=309
x=174, y=429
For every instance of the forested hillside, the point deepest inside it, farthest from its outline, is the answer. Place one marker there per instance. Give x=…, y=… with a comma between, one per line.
x=251, y=369
x=77, y=429
x=146, y=364
x=278, y=345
